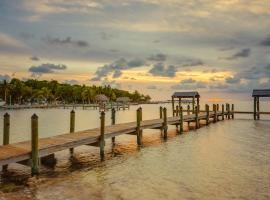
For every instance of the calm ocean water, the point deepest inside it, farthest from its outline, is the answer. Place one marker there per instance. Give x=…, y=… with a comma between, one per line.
x=226, y=160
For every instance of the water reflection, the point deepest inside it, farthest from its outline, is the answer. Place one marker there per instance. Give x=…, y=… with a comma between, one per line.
x=225, y=160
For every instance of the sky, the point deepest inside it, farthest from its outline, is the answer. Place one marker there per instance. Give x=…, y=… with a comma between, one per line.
x=220, y=48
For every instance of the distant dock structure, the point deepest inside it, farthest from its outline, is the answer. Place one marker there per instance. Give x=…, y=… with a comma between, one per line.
x=257, y=94
x=178, y=97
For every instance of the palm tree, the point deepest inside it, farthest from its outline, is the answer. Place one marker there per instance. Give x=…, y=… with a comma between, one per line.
x=89, y=94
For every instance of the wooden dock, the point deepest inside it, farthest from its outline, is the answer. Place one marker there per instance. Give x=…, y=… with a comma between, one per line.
x=37, y=148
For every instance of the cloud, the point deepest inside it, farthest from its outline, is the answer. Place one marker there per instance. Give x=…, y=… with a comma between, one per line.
x=34, y=58
x=4, y=77
x=159, y=69
x=244, y=53
x=189, y=84
x=232, y=80
x=266, y=41
x=116, y=68
x=160, y=57
x=67, y=41
x=117, y=74
x=106, y=36
x=219, y=86
x=46, y=68
x=254, y=73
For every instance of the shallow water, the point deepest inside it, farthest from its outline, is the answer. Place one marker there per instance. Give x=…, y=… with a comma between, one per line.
x=226, y=160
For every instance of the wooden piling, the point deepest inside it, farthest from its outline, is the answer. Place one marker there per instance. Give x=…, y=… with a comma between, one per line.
x=193, y=105
x=215, y=112
x=138, y=129
x=197, y=122
x=232, y=111
x=258, y=108
x=6, y=131
x=34, y=145
x=181, y=120
x=188, y=109
x=160, y=112
x=113, y=122
x=222, y=108
x=217, y=107
x=165, y=124
x=177, y=111
x=173, y=105
x=255, y=110
x=101, y=137
x=207, y=113
x=72, y=128
x=229, y=112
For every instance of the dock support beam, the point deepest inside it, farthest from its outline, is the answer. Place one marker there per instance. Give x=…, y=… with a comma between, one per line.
x=232, y=111
x=34, y=146
x=177, y=114
x=6, y=131
x=215, y=112
x=197, y=122
x=255, y=110
x=222, y=111
x=173, y=105
x=229, y=112
x=101, y=137
x=165, y=124
x=207, y=113
x=113, y=123
x=138, y=130
x=160, y=112
x=181, y=120
x=193, y=105
x=258, y=108
x=72, y=128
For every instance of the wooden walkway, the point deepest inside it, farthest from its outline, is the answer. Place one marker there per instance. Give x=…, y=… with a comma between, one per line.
x=22, y=151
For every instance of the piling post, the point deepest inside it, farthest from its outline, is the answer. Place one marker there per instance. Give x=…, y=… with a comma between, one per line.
x=193, y=105
x=217, y=107
x=258, y=108
x=222, y=111
x=72, y=128
x=113, y=122
x=181, y=120
x=34, y=145
x=229, y=112
x=138, y=129
x=197, y=117
x=232, y=111
x=6, y=131
x=101, y=137
x=165, y=124
x=160, y=112
x=254, y=110
x=173, y=105
x=215, y=112
x=207, y=113
x=188, y=109
x=226, y=111
x=177, y=111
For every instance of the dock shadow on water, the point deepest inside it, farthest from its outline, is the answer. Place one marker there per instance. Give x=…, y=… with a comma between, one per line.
x=227, y=160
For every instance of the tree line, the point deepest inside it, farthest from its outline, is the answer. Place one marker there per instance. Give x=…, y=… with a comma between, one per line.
x=17, y=91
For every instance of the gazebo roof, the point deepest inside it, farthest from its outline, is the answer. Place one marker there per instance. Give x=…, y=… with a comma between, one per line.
x=101, y=97
x=190, y=94
x=261, y=93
